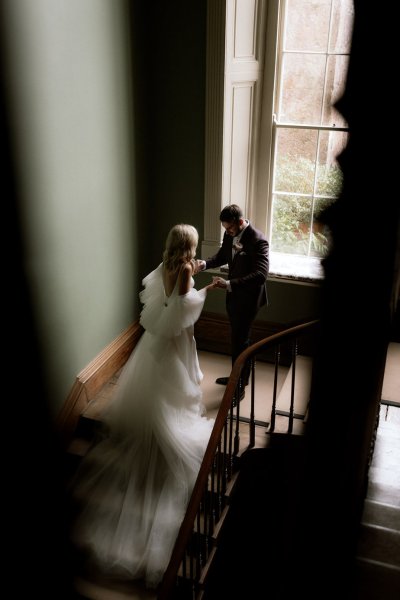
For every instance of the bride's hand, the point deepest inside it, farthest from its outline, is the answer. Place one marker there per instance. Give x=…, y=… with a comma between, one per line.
x=211, y=286
x=220, y=282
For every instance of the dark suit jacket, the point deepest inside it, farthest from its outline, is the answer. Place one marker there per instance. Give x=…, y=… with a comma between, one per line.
x=248, y=269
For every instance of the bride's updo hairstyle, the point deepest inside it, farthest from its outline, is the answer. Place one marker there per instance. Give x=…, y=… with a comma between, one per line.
x=180, y=246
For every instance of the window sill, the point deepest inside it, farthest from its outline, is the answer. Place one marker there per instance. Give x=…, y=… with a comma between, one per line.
x=302, y=269
x=288, y=267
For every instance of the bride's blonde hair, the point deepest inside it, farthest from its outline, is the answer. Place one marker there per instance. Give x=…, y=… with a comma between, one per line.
x=180, y=246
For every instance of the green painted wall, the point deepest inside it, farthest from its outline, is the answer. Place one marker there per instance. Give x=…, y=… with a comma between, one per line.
x=172, y=65
x=68, y=77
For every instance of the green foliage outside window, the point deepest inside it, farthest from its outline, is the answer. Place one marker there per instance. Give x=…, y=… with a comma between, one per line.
x=292, y=215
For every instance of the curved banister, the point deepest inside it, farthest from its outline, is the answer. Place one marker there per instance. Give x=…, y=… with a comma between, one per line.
x=169, y=579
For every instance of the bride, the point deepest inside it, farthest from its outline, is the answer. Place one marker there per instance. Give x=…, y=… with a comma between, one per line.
x=132, y=488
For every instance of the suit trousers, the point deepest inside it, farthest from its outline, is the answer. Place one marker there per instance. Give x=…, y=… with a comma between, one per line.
x=241, y=315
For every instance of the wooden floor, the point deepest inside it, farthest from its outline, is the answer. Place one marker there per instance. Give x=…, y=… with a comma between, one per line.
x=379, y=546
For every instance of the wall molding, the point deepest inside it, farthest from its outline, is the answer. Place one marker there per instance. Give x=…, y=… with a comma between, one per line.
x=212, y=332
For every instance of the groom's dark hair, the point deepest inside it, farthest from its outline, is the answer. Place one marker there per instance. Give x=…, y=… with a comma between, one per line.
x=231, y=213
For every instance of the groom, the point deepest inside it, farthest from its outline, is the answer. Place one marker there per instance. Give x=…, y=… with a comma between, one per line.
x=246, y=251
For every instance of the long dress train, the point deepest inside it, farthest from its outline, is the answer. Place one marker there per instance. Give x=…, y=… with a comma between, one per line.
x=135, y=484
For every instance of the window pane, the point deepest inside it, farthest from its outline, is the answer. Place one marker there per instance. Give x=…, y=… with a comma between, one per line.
x=294, y=228
x=302, y=88
x=296, y=151
x=319, y=236
x=291, y=221
x=307, y=25
x=335, y=84
x=329, y=174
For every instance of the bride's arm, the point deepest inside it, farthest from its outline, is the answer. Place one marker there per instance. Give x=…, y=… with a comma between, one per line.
x=210, y=286
x=185, y=279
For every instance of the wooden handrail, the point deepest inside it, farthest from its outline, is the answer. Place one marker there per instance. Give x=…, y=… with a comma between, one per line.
x=167, y=584
x=91, y=379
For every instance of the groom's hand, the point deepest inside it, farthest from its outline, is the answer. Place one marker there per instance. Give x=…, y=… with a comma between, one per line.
x=200, y=265
x=220, y=282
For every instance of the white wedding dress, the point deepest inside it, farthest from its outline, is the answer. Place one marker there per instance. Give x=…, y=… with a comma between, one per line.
x=135, y=484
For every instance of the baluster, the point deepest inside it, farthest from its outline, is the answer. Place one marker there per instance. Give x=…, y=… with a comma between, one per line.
x=274, y=393
x=291, y=409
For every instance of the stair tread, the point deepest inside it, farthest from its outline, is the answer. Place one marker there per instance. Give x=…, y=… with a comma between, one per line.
x=384, y=515
x=375, y=581
x=385, y=493
x=379, y=544
x=98, y=590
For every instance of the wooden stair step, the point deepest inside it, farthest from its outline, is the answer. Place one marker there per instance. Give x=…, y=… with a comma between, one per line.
x=88, y=427
x=103, y=590
x=388, y=494
x=384, y=515
x=376, y=581
x=379, y=544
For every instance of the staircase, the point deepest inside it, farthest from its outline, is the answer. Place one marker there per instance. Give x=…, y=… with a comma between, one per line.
x=222, y=478
x=257, y=497
x=248, y=496
x=255, y=549
x=378, y=551
x=265, y=512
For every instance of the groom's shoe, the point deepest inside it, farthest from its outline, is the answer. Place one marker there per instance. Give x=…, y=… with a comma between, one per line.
x=224, y=381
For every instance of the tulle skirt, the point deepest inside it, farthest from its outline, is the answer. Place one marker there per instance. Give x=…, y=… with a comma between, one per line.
x=133, y=487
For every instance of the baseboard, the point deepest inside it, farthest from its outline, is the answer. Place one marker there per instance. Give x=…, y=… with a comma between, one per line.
x=213, y=334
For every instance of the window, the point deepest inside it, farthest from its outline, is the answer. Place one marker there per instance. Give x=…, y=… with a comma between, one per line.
x=308, y=132
x=285, y=66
